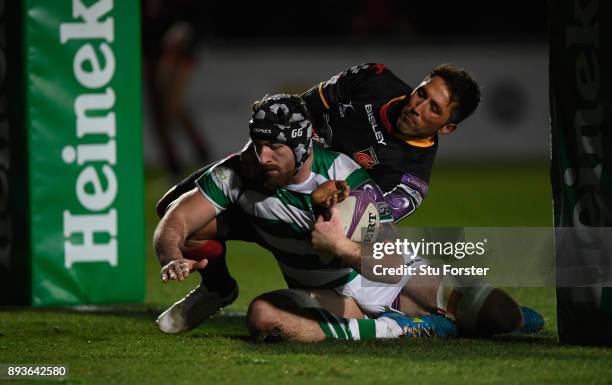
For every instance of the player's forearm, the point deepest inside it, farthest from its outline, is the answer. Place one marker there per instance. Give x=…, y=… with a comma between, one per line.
x=407, y=195
x=369, y=265
x=360, y=258
x=168, y=239
x=189, y=213
x=349, y=252
x=401, y=203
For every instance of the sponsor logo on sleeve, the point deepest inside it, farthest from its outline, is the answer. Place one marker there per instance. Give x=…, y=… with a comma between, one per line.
x=220, y=174
x=416, y=183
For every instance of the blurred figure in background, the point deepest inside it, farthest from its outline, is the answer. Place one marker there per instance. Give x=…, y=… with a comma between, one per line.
x=169, y=42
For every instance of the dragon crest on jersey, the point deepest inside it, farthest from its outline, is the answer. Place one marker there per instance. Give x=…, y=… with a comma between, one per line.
x=366, y=158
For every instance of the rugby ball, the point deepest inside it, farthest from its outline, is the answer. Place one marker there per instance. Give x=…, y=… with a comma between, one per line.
x=359, y=217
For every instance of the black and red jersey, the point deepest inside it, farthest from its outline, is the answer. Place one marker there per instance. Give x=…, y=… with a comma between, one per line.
x=355, y=112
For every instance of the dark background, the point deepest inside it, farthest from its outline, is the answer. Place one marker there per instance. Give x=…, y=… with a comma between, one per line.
x=286, y=46
x=354, y=19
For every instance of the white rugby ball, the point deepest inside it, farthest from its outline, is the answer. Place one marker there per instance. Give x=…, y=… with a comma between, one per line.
x=359, y=217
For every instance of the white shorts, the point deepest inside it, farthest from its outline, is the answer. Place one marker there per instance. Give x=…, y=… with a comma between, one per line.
x=375, y=297
x=372, y=297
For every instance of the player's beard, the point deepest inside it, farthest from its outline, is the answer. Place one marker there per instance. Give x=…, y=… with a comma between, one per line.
x=278, y=179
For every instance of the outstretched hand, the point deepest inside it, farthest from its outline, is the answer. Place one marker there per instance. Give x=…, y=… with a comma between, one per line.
x=179, y=269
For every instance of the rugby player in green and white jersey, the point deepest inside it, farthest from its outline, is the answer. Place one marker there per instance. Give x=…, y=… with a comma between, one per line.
x=326, y=297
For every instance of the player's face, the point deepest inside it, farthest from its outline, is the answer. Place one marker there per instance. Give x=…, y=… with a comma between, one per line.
x=428, y=110
x=277, y=162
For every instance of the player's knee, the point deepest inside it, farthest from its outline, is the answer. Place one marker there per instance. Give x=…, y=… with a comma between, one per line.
x=263, y=319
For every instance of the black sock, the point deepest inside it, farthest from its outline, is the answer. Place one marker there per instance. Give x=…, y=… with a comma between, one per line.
x=216, y=276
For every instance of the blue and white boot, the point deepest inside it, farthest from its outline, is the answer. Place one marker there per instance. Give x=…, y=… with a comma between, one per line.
x=425, y=326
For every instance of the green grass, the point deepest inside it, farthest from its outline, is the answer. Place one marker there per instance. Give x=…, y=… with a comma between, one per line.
x=121, y=345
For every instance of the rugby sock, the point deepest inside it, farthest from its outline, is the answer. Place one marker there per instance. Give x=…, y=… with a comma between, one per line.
x=448, y=297
x=356, y=329
x=215, y=276
x=465, y=298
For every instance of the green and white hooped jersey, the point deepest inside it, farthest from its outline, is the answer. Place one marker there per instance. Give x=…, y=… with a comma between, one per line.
x=283, y=219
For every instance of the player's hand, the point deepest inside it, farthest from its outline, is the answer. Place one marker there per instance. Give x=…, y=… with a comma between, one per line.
x=330, y=193
x=328, y=236
x=179, y=269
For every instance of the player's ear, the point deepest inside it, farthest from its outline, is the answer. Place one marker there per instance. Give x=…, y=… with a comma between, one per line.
x=447, y=128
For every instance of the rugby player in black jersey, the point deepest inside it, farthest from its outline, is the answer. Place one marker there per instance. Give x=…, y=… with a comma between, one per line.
x=389, y=128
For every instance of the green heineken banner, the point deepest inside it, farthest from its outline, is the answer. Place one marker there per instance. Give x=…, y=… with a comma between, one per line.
x=82, y=97
x=581, y=97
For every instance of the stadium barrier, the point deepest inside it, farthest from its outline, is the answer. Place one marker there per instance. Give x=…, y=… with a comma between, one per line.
x=581, y=167
x=72, y=172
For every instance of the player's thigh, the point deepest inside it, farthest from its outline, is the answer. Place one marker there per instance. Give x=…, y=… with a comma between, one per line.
x=337, y=304
x=300, y=299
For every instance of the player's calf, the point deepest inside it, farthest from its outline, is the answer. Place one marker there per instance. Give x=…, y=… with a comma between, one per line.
x=479, y=309
x=499, y=314
x=273, y=317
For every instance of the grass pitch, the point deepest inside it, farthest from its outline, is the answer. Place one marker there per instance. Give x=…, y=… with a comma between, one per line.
x=121, y=345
